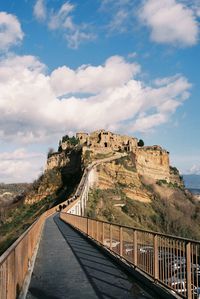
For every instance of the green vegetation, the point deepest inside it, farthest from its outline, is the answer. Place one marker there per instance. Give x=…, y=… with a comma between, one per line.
x=51, y=151
x=87, y=157
x=51, y=188
x=174, y=170
x=170, y=184
x=127, y=162
x=170, y=217
x=162, y=182
x=19, y=219
x=100, y=205
x=163, y=215
x=140, y=143
x=72, y=140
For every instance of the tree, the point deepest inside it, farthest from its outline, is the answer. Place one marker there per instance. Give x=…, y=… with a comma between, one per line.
x=73, y=140
x=50, y=152
x=140, y=143
x=65, y=138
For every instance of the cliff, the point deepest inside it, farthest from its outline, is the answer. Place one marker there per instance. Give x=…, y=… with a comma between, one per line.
x=122, y=195
x=62, y=173
x=121, y=175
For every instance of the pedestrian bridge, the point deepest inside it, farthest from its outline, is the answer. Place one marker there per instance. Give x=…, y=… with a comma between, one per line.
x=66, y=255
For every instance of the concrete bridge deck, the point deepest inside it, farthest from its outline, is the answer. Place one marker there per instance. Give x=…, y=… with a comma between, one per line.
x=67, y=266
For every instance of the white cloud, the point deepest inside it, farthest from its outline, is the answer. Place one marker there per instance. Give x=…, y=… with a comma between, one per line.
x=62, y=18
x=10, y=31
x=39, y=10
x=36, y=107
x=170, y=22
x=121, y=14
x=117, y=22
x=76, y=37
x=91, y=79
x=73, y=33
x=166, y=80
x=20, y=165
x=195, y=169
x=132, y=55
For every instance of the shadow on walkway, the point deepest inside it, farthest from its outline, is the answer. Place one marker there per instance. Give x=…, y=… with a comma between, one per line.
x=106, y=278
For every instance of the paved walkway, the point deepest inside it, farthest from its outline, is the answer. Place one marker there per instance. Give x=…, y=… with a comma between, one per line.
x=68, y=267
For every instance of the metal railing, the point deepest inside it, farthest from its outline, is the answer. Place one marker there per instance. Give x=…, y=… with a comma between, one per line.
x=16, y=261
x=172, y=261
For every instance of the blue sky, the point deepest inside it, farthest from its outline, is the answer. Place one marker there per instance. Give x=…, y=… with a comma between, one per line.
x=132, y=67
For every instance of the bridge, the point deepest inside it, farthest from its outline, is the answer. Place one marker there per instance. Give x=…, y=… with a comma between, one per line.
x=67, y=255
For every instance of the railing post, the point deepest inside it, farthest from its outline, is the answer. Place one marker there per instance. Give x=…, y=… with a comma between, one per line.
x=87, y=226
x=121, y=241
x=92, y=228
x=97, y=226
x=102, y=232
x=188, y=273
x=135, y=247
x=110, y=236
x=156, y=266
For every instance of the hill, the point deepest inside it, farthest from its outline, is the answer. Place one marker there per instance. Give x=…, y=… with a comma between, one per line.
x=192, y=181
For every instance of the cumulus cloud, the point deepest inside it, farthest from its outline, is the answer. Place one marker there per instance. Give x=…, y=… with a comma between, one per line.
x=73, y=33
x=170, y=22
x=10, y=31
x=35, y=106
x=20, y=165
x=91, y=79
x=39, y=10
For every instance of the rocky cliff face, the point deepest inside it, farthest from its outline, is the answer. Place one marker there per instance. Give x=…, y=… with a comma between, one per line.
x=122, y=175
x=153, y=162
x=63, y=170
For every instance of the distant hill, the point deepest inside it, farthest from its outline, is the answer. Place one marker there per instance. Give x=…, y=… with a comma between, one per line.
x=11, y=192
x=192, y=181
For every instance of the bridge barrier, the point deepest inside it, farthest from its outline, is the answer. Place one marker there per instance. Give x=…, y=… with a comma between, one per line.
x=170, y=261
x=16, y=261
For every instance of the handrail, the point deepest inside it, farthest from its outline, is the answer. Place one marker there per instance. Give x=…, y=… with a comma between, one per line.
x=142, y=230
x=16, y=261
x=171, y=261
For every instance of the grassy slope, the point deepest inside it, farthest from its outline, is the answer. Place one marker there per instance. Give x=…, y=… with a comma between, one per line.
x=179, y=214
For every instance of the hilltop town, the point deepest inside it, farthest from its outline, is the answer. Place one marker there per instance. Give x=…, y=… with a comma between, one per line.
x=151, y=161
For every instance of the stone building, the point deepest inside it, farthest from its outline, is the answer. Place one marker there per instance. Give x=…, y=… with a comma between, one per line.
x=108, y=141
